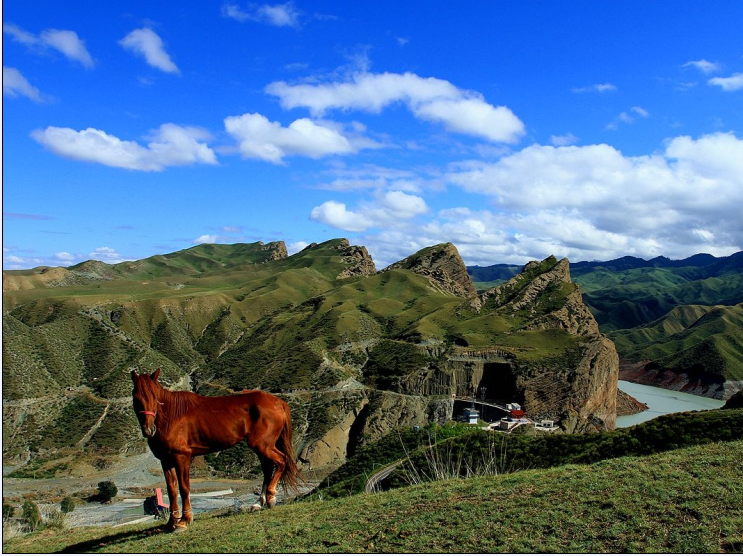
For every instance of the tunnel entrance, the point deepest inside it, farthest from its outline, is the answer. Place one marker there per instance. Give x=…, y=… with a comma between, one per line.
x=499, y=383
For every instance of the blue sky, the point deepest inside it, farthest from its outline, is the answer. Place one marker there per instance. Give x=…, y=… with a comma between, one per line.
x=515, y=130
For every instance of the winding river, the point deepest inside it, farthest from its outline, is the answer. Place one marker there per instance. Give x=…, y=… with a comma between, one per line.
x=661, y=401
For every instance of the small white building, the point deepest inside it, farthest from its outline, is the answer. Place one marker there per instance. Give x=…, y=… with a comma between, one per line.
x=471, y=415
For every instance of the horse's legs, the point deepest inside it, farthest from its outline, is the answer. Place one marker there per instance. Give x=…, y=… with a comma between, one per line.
x=171, y=481
x=268, y=468
x=277, y=459
x=183, y=469
x=273, y=465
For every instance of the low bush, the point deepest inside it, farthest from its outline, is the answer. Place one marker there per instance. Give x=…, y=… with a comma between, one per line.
x=106, y=491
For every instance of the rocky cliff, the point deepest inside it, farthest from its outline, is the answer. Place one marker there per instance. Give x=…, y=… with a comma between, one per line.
x=575, y=383
x=357, y=259
x=444, y=268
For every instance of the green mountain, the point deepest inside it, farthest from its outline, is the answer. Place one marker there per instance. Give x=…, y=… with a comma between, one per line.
x=354, y=351
x=675, y=324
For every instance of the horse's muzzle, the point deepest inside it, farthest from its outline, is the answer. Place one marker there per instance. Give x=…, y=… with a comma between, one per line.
x=149, y=432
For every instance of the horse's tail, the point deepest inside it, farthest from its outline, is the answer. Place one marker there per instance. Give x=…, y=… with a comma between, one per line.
x=291, y=476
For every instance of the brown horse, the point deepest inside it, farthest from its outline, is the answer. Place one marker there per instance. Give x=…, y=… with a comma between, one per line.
x=181, y=425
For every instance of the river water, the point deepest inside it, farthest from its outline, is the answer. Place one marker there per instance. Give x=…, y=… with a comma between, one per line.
x=661, y=401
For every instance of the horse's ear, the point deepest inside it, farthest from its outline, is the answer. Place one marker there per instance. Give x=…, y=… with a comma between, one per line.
x=156, y=374
x=135, y=376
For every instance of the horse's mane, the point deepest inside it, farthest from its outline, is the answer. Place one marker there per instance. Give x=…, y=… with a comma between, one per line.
x=174, y=404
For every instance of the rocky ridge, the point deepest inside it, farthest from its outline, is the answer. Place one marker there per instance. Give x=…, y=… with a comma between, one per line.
x=444, y=268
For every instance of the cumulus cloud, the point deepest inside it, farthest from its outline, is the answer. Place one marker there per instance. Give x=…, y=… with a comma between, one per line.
x=266, y=140
x=430, y=99
x=15, y=84
x=336, y=215
x=145, y=42
x=170, y=145
x=278, y=15
x=386, y=209
x=732, y=83
x=64, y=41
x=704, y=66
x=593, y=202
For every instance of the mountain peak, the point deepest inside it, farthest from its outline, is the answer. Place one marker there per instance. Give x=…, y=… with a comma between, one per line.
x=444, y=268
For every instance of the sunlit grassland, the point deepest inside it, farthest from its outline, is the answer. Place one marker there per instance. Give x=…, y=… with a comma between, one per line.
x=680, y=501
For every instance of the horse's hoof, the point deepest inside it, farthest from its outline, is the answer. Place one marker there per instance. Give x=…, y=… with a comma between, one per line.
x=271, y=502
x=256, y=507
x=180, y=527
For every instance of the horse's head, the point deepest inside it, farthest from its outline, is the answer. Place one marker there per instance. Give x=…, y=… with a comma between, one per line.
x=146, y=399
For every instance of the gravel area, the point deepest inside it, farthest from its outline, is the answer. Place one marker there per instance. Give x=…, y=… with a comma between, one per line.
x=136, y=477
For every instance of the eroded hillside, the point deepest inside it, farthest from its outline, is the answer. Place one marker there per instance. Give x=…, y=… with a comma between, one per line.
x=354, y=351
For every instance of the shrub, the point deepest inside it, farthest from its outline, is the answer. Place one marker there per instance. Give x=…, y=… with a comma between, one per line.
x=67, y=505
x=8, y=511
x=106, y=491
x=55, y=519
x=31, y=515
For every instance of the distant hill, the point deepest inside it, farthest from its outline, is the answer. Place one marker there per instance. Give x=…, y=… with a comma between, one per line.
x=679, y=318
x=354, y=351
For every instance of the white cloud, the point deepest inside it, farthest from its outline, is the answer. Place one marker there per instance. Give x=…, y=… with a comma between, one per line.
x=732, y=83
x=20, y=35
x=473, y=116
x=597, y=88
x=336, y=215
x=429, y=98
x=278, y=15
x=387, y=209
x=373, y=177
x=397, y=204
x=296, y=247
x=15, y=84
x=147, y=43
x=65, y=257
x=106, y=255
x=206, y=238
x=64, y=41
x=563, y=140
x=629, y=117
x=170, y=145
x=593, y=202
x=704, y=66
x=69, y=44
x=265, y=140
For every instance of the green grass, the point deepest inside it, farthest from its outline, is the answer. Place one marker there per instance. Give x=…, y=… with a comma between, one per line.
x=707, y=339
x=684, y=501
x=466, y=449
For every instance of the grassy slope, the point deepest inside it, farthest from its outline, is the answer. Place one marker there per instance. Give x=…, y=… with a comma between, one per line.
x=681, y=501
x=690, y=337
x=634, y=297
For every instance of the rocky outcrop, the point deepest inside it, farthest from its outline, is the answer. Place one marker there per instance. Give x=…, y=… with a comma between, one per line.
x=444, y=268
x=390, y=410
x=627, y=405
x=577, y=385
x=358, y=260
x=276, y=250
x=374, y=417
x=331, y=450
